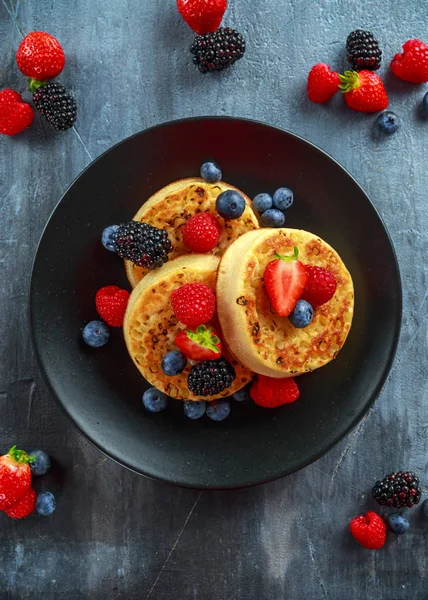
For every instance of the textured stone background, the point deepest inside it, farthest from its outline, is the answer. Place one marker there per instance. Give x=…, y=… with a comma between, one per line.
x=117, y=535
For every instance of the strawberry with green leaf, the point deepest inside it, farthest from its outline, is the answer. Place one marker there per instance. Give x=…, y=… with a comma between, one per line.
x=285, y=279
x=15, y=476
x=200, y=344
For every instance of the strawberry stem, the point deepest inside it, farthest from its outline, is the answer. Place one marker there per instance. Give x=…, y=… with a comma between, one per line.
x=20, y=456
x=289, y=258
x=204, y=337
x=35, y=84
x=349, y=81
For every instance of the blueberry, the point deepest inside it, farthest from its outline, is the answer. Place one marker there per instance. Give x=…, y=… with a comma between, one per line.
x=45, y=504
x=218, y=410
x=174, y=363
x=210, y=172
x=241, y=396
x=283, y=198
x=273, y=218
x=154, y=400
x=262, y=202
x=230, y=205
x=388, y=122
x=424, y=509
x=424, y=106
x=106, y=237
x=42, y=464
x=302, y=314
x=96, y=334
x=398, y=524
x=195, y=410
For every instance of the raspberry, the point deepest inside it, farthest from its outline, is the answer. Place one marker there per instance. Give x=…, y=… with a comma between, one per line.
x=323, y=83
x=111, y=303
x=369, y=530
x=193, y=304
x=15, y=114
x=320, y=287
x=40, y=56
x=144, y=245
x=24, y=507
x=203, y=16
x=271, y=393
x=201, y=233
x=363, y=50
x=211, y=377
x=398, y=490
x=412, y=64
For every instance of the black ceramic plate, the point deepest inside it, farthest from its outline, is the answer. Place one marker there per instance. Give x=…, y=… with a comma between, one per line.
x=101, y=389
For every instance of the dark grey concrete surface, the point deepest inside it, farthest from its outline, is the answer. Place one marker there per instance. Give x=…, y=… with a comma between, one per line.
x=117, y=535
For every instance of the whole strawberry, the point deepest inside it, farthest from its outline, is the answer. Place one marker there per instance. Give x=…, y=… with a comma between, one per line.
x=15, y=476
x=364, y=91
x=15, y=114
x=369, y=530
x=40, y=56
x=320, y=287
x=201, y=233
x=323, y=83
x=271, y=393
x=111, y=303
x=193, y=304
x=23, y=507
x=412, y=64
x=203, y=16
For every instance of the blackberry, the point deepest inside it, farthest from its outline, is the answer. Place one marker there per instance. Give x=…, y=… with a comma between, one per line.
x=398, y=490
x=144, y=245
x=363, y=50
x=211, y=377
x=56, y=104
x=219, y=50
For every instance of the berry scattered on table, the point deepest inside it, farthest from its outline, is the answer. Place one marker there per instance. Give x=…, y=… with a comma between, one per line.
x=211, y=377
x=217, y=51
x=201, y=233
x=272, y=217
x=144, y=245
x=398, y=489
x=412, y=64
x=41, y=464
x=111, y=303
x=195, y=410
x=107, y=239
x=211, y=173
x=285, y=279
x=174, y=363
x=364, y=91
x=202, y=344
x=323, y=83
x=269, y=392
x=15, y=114
x=283, y=198
x=230, y=205
x=154, y=400
x=424, y=509
x=369, y=530
x=241, y=395
x=24, y=506
x=193, y=304
x=55, y=103
x=218, y=410
x=96, y=334
x=320, y=286
x=262, y=202
x=46, y=504
x=398, y=524
x=388, y=122
x=363, y=50
x=15, y=476
x=302, y=314
x=40, y=56
x=203, y=16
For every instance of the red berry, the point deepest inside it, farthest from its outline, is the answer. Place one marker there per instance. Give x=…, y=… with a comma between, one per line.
x=15, y=114
x=40, y=56
x=111, y=303
x=15, y=477
x=364, y=91
x=23, y=507
x=202, y=344
x=193, y=304
x=369, y=530
x=270, y=393
x=285, y=279
x=201, y=233
x=203, y=16
x=323, y=83
x=320, y=287
x=412, y=64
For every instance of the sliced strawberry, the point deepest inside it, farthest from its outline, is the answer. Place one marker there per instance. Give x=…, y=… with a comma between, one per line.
x=285, y=279
x=202, y=344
